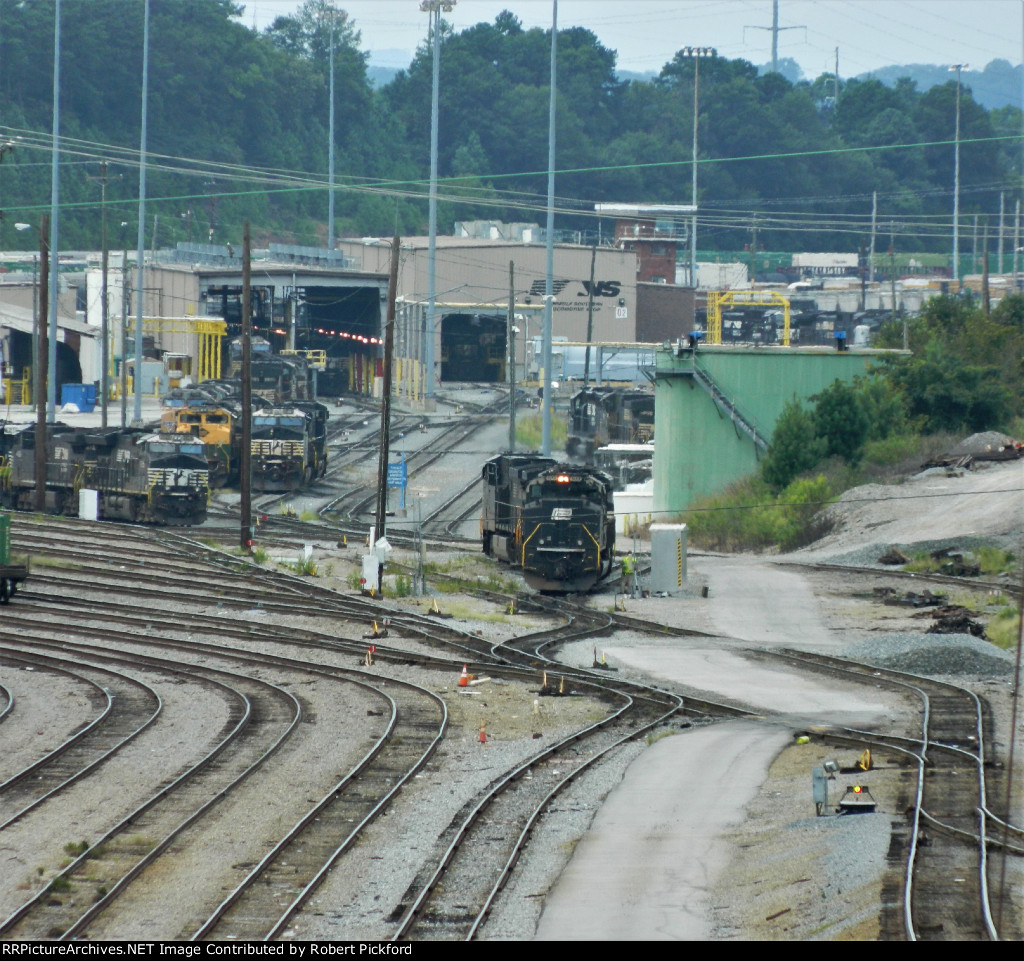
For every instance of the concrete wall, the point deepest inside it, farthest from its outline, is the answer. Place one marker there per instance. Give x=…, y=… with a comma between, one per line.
x=698, y=448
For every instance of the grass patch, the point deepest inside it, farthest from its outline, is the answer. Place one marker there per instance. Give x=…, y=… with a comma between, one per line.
x=991, y=560
x=76, y=849
x=994, y=560
x=530, y=432
x=260, y=555
x=1004, y=629
x=922, y=563
x=891, y=459
x=654, y=738
x=57, y=563
x=309, y=516
x=305, y=567
x=59, y=885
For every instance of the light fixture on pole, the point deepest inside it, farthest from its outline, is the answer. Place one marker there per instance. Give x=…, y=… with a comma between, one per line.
x=332, y=11
x=137, y=369
x=434, y=8
x=959, y=68
x=695, y=54
x=547, y=395
x=51, y=365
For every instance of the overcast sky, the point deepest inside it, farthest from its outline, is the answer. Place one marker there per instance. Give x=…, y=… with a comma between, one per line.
x=646, y=33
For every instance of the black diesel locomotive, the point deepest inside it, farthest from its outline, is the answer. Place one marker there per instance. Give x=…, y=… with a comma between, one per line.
x=555, y=521
x=608, y=415
x=140, y=476
x=289, y=446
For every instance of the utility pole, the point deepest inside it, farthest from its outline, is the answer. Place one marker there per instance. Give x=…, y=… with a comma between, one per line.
x=42, y=352
x=862, y=270
x=874, y=228
x=1002, y=229
x=892, y=279
x=590, y=318
x=434, y=8
x=511, y=350
x=775, y=28
x=959, y=68
x=137, y=421
x=380, y=526
x=245, y=458
x=104, y=317
x=124, y=325
x=984, y=273
x=775, y=36
x=51, y=357
x=1016, y=244
x=547, y=394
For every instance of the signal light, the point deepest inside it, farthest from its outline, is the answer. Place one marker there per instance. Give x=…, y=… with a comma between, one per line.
x=857, y=789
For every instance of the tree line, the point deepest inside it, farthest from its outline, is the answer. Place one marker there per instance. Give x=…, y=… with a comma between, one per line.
x=238, y=130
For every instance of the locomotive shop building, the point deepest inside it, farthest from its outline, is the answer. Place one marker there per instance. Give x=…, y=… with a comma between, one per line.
x=473, y=278
x=312, y=299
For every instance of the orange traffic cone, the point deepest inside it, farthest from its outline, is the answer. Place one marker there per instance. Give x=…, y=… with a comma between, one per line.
x=464, y=677
x=483, y=735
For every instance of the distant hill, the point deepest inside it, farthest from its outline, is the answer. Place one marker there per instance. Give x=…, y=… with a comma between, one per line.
x=627, y=75
x=380, y=76
x=998, y=85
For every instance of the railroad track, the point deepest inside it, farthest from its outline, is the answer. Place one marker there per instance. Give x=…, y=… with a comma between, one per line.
x=946, y=892
x=96, y=599
x=138, y=705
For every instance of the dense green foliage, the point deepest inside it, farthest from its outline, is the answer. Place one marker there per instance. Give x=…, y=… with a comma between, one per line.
x=964, y=372
x=966, y=369
x=239, y=121
x=748, y=515
x=795, y=447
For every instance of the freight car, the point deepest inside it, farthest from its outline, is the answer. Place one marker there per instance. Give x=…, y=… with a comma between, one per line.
x=608, y=415
x=289, y=446
x=555, y=521
x=139, y=476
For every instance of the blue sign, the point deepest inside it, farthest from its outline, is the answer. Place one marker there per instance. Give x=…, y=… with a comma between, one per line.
x=398, y=475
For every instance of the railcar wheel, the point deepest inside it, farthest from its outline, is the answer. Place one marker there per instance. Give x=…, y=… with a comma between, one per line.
x=5, y=590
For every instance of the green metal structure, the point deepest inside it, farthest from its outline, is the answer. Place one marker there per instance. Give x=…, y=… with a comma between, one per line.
x=715, y=410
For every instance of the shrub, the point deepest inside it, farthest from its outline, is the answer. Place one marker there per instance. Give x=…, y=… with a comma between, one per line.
x=747, y=516
x=1004, y=629
x=994, y=560
x=794, y=447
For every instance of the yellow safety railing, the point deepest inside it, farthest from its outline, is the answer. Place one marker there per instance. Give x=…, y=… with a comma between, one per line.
x=208, y=330
x=17, y=390
x=719, y=299
x=316, y=358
